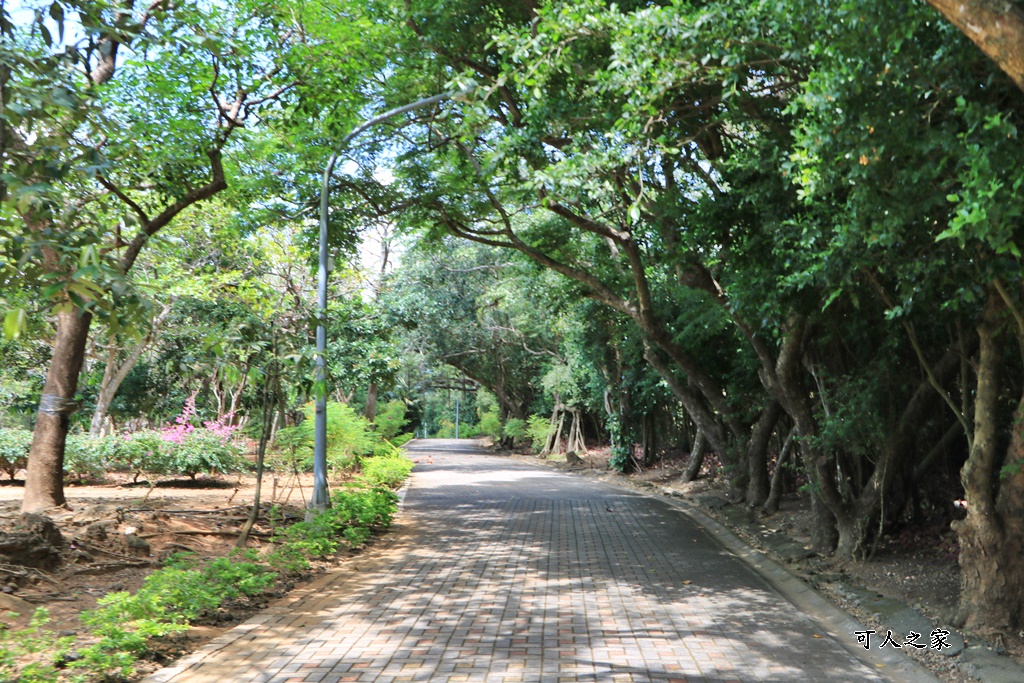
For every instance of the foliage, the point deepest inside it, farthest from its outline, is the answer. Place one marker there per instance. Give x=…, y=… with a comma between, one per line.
x=354, y=512
x=490, y=425
x=538, y=429
x=447, y=430
x=349, y=435
x=202, y=450
x=31, y=654
x=390, y=419
x=385, y=470
x=14, y=447
x=185, y=591
x=402, y=439
x=170, y=598
x=86, y=457
x=139, y=452
x=514, y=428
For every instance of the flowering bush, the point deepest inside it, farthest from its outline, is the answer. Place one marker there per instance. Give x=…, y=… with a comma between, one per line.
x=188, y=450
x=202, y=450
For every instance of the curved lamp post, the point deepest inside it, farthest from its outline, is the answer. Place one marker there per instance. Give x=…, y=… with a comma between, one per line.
x=321, y=499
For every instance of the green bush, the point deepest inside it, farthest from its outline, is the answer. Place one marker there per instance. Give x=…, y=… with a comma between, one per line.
x=538, y=428
x=386, y=470
x=490, y=425
x=185, y=591
x=201, y=451
x=390, y=419
x=14, y=447
x=85, y=457
x=349, y=435
x=446, y=430
x=402, y=439
x=514, y=428
x=354, y=512
x=20, y=651
x=142, y=451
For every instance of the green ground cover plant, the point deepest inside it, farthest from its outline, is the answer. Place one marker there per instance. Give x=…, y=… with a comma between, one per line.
x=186, y=590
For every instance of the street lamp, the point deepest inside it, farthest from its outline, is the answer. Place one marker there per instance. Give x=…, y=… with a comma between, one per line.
x=320, y=499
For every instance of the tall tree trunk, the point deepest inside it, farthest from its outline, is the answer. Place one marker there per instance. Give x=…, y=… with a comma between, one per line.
x=992, y=535
x=707, y=422
x=371, y=402
x=114, y=374
x=771, y=505
x=825, y=530
x=697, y=453
x=757, y=454
x=106, y=393
x=650, y=441
x=44, y=485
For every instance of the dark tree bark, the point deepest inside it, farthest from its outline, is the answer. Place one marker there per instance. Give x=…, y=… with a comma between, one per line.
x=371, y=402
x=771, y=505
x=992, y=535
x=697, y=453
x=757, y=454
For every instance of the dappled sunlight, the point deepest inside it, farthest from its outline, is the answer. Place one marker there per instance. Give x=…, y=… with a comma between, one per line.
x=499, y=579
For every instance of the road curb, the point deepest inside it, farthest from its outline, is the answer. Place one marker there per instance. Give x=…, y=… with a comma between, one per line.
x=834, y=621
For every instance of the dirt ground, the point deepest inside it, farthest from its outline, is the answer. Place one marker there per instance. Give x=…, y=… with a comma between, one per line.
x=116, y=532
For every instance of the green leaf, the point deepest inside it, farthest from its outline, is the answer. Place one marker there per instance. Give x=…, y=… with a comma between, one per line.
x=634, y=213
x=14, y=323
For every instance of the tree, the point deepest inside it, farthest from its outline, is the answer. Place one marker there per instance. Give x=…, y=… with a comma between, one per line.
x=101, y=177
x=995, y=27
x=468, y=307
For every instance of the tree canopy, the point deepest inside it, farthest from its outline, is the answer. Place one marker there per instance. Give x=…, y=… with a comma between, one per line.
x=678, y=222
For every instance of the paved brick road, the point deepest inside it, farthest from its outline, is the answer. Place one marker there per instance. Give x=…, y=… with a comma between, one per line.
x=501, y=571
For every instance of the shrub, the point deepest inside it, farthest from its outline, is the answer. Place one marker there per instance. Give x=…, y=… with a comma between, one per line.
x=514, y=428
x=490, y=425
x=390, y=419
x=386, y=470
x=348, y=436
x=169, y=599
x=14, y=447
x=402, y=439
x=538, y=428
x=446, y=430
x=84, y=456
x=201, y=450
x=30, y=654
x=351, y=517
x=142, y=451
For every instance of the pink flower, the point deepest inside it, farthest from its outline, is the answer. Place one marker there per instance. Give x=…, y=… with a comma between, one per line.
x=176, y=433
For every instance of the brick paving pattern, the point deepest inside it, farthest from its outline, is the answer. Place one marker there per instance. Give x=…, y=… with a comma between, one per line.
x=505, y=572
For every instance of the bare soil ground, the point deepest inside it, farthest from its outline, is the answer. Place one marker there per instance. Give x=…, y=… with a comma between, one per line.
x=116, y=533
